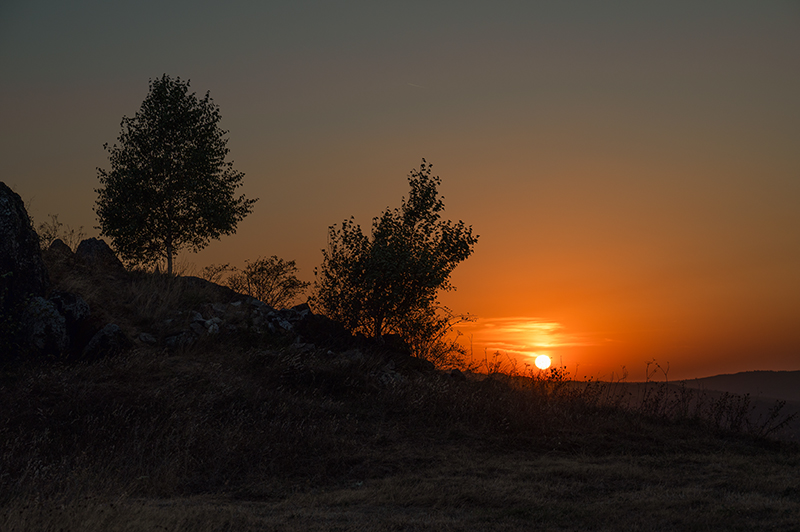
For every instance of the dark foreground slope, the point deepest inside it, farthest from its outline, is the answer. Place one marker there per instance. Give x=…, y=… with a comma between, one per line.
x=259, y=432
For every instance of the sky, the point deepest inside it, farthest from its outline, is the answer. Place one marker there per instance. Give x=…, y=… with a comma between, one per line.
x=632, y=168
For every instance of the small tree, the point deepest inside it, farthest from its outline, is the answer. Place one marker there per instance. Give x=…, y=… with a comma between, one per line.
x=50, y=231
x=389, y=283
x=271, y=280
x=169, y=186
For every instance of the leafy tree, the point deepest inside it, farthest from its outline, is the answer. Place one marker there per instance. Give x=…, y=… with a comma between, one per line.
x=271, y=280
x=388, y=283
x=169, y=186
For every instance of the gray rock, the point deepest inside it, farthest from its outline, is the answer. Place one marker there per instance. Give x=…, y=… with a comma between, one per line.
x=59, y=248
x=147, y=338
x=195, y=316
x=213, y=328
x=109, y=341
x=71, y=306
x=22, y=270
x=179, y=340
x=45, y=328
x=197, y=328
x=95, y=253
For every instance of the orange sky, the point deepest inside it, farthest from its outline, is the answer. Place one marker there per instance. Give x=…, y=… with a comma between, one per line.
x=633, y=171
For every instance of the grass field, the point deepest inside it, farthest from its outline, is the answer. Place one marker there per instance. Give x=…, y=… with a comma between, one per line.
x=264, y=434
x=258, y=440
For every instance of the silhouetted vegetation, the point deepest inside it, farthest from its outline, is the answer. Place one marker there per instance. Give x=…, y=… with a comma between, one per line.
x=389, y=282
x=252, y=433
x=169, y=186
x=53, y=229
x=271, y=280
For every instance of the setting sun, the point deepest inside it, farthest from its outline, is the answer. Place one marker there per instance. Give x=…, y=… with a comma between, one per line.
x=542, y=362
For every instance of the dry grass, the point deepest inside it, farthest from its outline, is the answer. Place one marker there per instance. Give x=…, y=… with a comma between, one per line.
x=270, y=436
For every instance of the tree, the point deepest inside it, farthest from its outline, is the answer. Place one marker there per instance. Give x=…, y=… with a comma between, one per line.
x=389, y=283
x=271, y=280
x=169, y=186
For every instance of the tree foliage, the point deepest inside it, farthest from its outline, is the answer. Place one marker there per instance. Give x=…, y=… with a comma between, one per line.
x=271, y=280
x=169, y=186
x=388, y=283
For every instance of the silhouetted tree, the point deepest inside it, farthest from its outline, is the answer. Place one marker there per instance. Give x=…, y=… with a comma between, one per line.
x=271, y=280
x=389, y=283
x=169, y=186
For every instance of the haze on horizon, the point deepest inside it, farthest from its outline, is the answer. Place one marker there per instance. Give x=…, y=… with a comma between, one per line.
x=633, y=170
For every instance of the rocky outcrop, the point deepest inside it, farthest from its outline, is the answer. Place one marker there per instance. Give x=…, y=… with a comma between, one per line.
x=109, y=341
x=22, y=272
x=21, y=266
x=96, y=254
x=44, y=327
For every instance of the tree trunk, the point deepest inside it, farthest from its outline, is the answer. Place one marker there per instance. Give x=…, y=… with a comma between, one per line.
x=169, y=256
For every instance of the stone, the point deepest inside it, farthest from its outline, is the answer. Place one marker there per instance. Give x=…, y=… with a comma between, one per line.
x=59, y=248
x=109, y=341
x=76, y=313
x=147, y=338
x=71, y=306
x=22, y=271
x=179, y=340
x=95, y=253
x=325, y=332
x=44, y=327
x=457, y=374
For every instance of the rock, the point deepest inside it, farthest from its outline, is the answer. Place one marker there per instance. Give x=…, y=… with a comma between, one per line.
x=44, y=327
x=71, y=306
x=95, y=253
x=22, y=270
x=109, y=341
x=59, y=259
x=76, y=314
x=457, y=374
x=147, y=338
x=325, y=332
x=182, y=339
x=59, y=248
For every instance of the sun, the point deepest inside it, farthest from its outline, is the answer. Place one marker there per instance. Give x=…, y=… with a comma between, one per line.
x=542, y=362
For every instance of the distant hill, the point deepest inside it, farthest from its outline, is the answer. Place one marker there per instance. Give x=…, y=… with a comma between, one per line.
x=759, y=384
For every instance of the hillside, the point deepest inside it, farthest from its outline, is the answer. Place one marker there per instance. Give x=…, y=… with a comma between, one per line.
x=253, y=426
x=762, y=384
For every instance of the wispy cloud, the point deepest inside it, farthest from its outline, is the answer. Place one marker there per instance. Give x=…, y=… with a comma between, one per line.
x=523, y=335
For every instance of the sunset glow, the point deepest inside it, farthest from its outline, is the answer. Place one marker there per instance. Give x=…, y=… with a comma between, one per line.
x=632, y=170
x=542, y=362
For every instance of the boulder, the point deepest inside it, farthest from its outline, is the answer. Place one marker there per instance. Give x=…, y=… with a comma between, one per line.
x=59, y=248
x=76, y=315
x=109, y=341
x=72, y=306
x=95, y=253
x=22, y=271
x=45, y=329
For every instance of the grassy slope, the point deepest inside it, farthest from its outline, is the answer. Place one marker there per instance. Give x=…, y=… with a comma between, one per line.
x=237, y=434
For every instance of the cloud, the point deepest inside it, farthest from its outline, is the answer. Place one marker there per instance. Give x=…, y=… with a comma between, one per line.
x=523, y=335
